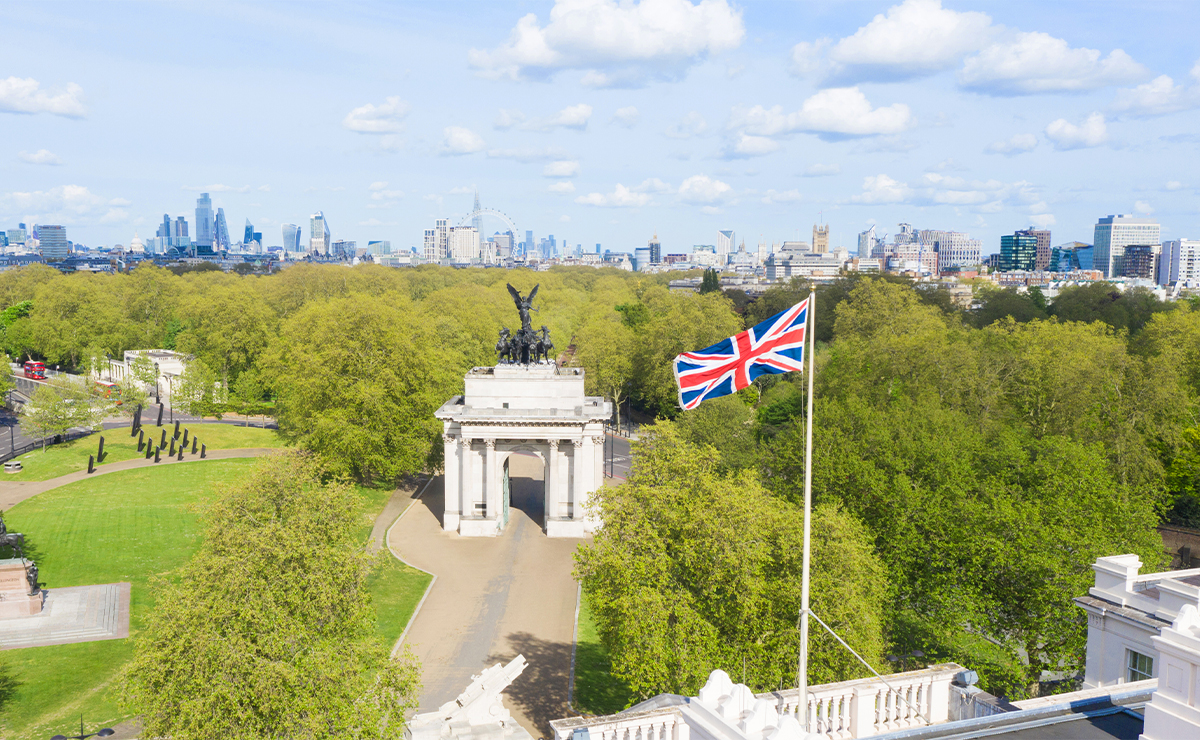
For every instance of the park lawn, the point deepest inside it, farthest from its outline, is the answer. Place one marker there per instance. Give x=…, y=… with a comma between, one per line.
x=130, y=526
x=72, y=457
x=597, y=691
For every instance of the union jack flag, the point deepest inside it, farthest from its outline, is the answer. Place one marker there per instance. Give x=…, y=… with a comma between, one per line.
x=772, y=347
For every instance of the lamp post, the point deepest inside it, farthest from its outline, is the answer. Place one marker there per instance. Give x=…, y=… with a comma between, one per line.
x=81, y=736
x=157, y=397
x=903, y=659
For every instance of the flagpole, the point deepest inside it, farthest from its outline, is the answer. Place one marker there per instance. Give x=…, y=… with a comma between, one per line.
x=802, y=668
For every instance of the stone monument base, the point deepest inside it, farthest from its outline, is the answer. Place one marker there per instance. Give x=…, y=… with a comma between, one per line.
x=15, y=599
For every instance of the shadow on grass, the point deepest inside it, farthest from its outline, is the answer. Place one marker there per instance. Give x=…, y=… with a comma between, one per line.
x=8, y=686
x=597, y=691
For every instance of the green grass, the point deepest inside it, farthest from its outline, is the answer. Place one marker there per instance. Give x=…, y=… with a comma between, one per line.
x=597, y=691
x=72, y=457
x=128, y=526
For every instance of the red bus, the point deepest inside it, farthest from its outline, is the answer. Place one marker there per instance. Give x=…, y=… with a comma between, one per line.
x=109, y=390
x=35, y=370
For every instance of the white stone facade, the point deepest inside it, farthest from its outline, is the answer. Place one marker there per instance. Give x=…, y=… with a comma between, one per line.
x=533, y=409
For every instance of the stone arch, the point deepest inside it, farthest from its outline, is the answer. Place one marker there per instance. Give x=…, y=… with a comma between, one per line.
x=540, y=450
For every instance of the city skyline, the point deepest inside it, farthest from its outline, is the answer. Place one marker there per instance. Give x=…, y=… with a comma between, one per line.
x=760, y=119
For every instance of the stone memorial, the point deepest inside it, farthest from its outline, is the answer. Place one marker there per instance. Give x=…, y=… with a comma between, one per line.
x=19, y=594
x=524, y=404
x=478, y=712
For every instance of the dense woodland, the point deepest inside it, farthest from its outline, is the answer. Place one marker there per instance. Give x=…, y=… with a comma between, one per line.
x=969, y=465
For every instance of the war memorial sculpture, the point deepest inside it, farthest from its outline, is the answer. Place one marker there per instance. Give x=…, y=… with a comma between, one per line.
x=524, y=404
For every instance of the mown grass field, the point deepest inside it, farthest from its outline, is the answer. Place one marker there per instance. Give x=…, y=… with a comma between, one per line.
x=72, y=457
x=131, y=526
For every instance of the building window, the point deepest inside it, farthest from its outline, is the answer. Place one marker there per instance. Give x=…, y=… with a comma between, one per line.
x=1141, y=667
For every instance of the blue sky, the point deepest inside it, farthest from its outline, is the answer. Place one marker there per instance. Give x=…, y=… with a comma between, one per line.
x=601, y=121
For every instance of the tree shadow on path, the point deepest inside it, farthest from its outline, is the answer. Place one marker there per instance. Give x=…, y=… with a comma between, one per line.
x=541, y=690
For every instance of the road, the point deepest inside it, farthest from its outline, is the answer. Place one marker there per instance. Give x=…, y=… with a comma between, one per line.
x=617, y=457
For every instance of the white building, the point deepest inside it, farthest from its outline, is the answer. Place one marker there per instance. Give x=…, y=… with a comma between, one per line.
x=536, y=409
x=463, y=244
x=956, y=249
x=1113, y=234
x=725, y=242
x=1180, y=263
x=866, y=242
x=319, y=229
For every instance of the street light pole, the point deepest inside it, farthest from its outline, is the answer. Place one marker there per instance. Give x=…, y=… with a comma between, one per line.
x=81, y=736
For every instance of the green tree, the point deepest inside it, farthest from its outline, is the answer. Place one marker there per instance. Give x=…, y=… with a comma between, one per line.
x=248, y=392
x=357, y=380
x=710, y=281
x=694, y=571
x=269, y=631
x=61, y=405
x=198, y=391
x=997, y=304
x=604, y=347
x=1129, y=310
x=726, y=425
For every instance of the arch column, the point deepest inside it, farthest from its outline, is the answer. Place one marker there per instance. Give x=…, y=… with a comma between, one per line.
x=453, y=483
x=551, y=482
x=579, y=480
x=491, y=480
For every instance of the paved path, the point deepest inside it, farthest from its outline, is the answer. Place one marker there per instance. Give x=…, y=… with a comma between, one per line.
x=494, y=597
x=14, y=492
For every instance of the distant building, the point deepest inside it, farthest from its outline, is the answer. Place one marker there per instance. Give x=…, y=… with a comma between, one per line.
x=318, y=242
x=820, y=242
x=291, y=238
x=1114, y=233
x=442, y=227
x=164, y=229
x=204, y=224
x=221, y=236
x=725, y=243
x=1070, y=256
x=53, y=242
x=1141, y=261
x=180, y=232
x=1018, y=251
x=429, y=250
x=343, y=249
x=641, y=258
x=655, y=247
x=379, y=247
x=249, y=233
x=1042, y=260
x=464, y=244
x=529, y=245
x=954, y=248
x=866, y=243
x=1180, y=262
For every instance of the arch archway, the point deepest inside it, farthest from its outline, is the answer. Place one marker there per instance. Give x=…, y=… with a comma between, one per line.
x=523, y=483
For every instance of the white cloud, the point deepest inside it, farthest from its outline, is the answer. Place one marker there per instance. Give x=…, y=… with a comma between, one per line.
x=652, y=185
x=620, y=197
x=1173, y=185
x=386, y=118
x=264, y=188
x=66, y=204
x=693, y=124
x=506, y=119
x=1066, y=135
x=565, y=187
x=378, y=185
x=703, y=189
x=883, y=189
x=528, y=154
x=1143, y=208
x=573, y=116
x=822, y=170
x=1159, y=97
x=217, y=188
x=1015, y=144
x=458, y=140
x=564, y=218
x=917, y=37
x=19, y=95
x=41, y=156
x=753, y=146
x=384, y=194
x=561, y=168
x=115, y=216
x=839, y=111
x=1039, y=63
x=627, y=116
x=786, y=196
x=619, y=43
x=1043, y=220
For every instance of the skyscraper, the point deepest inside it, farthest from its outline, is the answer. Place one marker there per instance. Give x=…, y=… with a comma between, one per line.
x=165, y=229
x=528, y=242
x=181, y=232
x=429, y=248
x=477, y=222
x=222, y=233
x=820, y=242
x=53, y=242
x=204, y=224
x=1113, y=234
x=866, y=242
x=291, y=238
x=1018, y=251
x=1180, y=262
x=319, y=229
x=1042, y=261
x=249, y=235
x=724, y=244
x=655, y=247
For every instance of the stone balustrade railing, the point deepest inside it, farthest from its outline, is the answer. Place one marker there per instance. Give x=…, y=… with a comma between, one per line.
x=867, y=706
x=653, y=724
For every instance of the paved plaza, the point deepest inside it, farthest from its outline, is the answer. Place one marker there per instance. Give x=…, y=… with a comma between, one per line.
x=494, y=598
x=72, y=614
